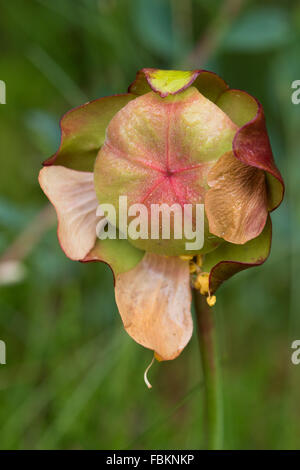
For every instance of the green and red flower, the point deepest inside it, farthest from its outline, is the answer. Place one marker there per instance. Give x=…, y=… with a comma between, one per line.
x=176, y=137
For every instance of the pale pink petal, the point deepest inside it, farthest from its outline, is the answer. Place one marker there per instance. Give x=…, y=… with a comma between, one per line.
x=236, y=203
x=154, y=300
x=73, y=196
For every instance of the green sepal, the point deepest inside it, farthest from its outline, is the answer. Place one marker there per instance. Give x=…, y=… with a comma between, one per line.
x=119, y=254
x=83, y=132
x=228, y=259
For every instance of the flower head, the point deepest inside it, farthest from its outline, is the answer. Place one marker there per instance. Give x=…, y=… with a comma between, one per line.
x=175, y=138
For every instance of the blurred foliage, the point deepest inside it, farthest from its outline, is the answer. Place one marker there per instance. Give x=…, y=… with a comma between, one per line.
x=262, y=29
x=73, y=377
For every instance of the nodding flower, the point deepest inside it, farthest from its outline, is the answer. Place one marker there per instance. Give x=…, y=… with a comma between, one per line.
x=179, y=137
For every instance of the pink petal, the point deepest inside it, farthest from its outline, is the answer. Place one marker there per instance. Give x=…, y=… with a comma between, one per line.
x=73, y=196
x=154, y=301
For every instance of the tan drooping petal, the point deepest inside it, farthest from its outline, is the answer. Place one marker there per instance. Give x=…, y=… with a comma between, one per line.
x=73, y=196
x=154, y=300
x=236, y=203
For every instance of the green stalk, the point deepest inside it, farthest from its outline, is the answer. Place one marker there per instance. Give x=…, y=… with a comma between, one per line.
x=211, y=372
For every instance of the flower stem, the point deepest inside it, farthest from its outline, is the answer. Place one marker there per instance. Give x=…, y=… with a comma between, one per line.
x=211, y=372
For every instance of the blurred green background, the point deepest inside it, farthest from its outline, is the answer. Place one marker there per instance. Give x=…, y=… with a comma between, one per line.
x=73, y=378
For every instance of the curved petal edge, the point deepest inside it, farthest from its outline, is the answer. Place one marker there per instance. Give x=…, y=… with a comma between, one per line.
x=83, y=132
x=117, y=253
x=236, y=204
x=251, y=143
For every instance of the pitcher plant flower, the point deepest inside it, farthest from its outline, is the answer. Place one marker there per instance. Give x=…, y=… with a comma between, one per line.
x=176, y=137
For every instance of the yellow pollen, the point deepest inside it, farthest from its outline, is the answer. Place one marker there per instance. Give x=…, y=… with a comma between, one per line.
x=199, y=260
x=186, y=257
x=202, y=283
x=211, y=300
x=193, y=267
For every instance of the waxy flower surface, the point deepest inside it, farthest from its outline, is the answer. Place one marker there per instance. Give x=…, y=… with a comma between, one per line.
x=174, y=138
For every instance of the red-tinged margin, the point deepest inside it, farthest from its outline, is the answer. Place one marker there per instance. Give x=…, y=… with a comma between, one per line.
x=117, y=253
x=88, y=259
x=79, y=151
x=224, y=269
x=263, y=156
x=251, y=146
x=144, y=82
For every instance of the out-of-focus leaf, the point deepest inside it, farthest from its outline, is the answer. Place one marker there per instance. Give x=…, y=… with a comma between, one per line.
x=262, y=29
x=44, y=129
x=153, y=22
x=11, y=216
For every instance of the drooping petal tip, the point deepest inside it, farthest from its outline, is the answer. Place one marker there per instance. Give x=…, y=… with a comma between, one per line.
x=154, y=301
